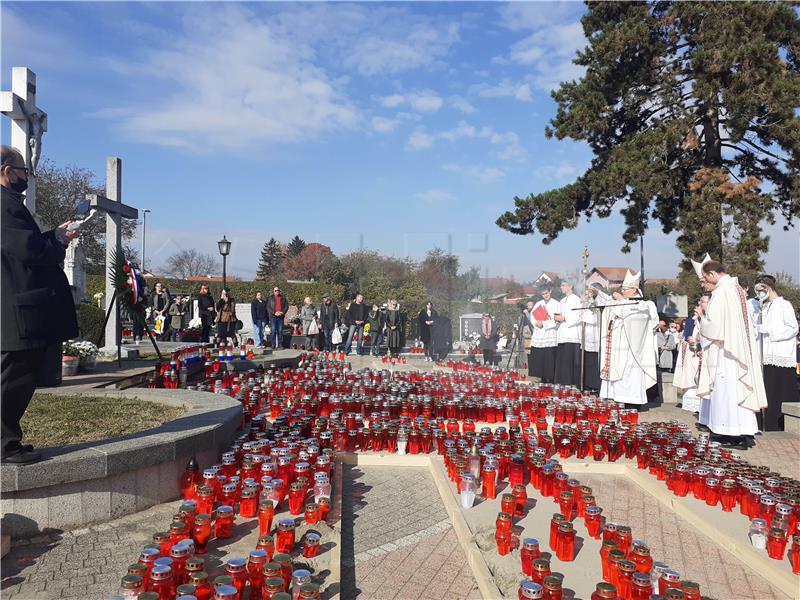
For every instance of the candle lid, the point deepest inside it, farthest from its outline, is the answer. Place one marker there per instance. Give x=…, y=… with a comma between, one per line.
x=606, y=590
x=530, y=543
x=531, y=590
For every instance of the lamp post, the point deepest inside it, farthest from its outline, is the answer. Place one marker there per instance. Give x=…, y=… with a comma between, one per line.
x=224, y=249
x=641, y=255
x=144, y=233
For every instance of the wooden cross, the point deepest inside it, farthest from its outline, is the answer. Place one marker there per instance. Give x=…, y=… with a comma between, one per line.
x=28, y=123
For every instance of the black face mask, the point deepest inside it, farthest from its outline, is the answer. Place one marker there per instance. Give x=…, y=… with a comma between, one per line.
x=20, y=185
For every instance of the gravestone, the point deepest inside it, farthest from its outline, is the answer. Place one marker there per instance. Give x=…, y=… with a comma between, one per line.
x=468, y=324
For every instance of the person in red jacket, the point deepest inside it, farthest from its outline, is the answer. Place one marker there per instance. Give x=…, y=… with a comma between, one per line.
x=276, y=309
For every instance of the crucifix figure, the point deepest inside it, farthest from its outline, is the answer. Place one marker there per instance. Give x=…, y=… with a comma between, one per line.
x=28, y=123
x=111, y=204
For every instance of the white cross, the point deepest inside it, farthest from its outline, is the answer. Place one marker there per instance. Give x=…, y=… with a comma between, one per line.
x=28, y=123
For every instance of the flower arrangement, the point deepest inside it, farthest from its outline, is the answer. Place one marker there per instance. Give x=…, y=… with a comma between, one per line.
x=79, y=348
x=98, y=298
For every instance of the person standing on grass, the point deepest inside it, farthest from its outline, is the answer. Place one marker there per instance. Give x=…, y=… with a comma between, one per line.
x=37, y=309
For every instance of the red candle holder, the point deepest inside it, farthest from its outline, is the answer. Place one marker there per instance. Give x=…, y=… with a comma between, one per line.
x=311, y=542
x=223, y=526
x=284, y=543
x=266, y=512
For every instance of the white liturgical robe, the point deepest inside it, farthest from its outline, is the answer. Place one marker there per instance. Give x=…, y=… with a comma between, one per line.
x=628, y=351
x=730, y=380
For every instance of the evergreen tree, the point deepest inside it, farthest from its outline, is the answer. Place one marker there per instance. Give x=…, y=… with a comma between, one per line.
x=689, y=108
x=272, y=255
x=295, y=247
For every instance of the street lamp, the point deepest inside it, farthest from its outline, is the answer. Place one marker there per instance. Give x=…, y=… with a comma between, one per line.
x=224, y=250
x=144, y=233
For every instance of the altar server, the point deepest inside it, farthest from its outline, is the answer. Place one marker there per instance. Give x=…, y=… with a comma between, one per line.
x=568, y=336
x=628, y=346
x=543, y=337
x=776, y=329
x=688, y=363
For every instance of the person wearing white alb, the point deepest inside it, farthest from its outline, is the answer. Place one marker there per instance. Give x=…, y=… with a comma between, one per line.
x=776, y=330
x=543, y=338
x=568, y=336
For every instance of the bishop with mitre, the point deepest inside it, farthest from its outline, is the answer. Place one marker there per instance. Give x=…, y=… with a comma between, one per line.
x=628, y=345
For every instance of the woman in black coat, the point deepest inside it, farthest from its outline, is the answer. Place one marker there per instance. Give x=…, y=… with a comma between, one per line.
x=226, y=318
x=488, y=340
x=426, y=318
x=394, y=329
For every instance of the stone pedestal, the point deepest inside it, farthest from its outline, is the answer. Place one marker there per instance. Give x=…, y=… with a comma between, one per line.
x=669, y=393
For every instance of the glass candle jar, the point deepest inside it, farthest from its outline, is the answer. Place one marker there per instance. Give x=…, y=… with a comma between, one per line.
x=669, y=580
x=566, y=502
x=467, y=488
x=776, y=543
x=223, y=526
x=236, y=568
x=605, y=549
x=312, y=513
x=508, y=503
x=311, y=544
x=131, y=586
x=503, y=541
x=691, y=590
x=727, y=494
x=255, y=563
x=605, y=591
x=641, y=587
x=593, y=520
x=248, y=502
x=554, y=523
x=712, y=492
x=758, y=534
x=285, y=563
x=796, y=554
x=641, y=557
x=202, y=587
x=625, y=578
x=489, y=481
x=309, y=591
x=528, y=553
x=565, y=544
x=541, y=569
x=286, y=532
x=296, y=497
x=267, y=544
x=160, y=582
x=520, y=498
x=552, y=588
x=273, y=586
x=624, y=538
x=300, y=577
x=266, y=512
x=529, y=590
x=324, y=507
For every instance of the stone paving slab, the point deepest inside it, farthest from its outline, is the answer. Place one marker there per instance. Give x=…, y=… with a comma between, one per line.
x=397, y=540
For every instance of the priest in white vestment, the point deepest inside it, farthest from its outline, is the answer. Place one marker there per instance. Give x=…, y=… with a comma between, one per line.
x=730, y=379
x=628, y=346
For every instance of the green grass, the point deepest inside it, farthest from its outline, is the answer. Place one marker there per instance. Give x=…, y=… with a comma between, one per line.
x=55, y=420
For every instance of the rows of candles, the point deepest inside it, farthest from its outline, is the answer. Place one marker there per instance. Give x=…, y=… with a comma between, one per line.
x=414, y=412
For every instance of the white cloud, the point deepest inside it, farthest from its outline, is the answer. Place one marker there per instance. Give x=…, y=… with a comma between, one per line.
x=555, y=36
x=434, y=196
x=477, y=173
x=383, y=125
x=462, y=105
x=510, y=147
x=505, y=89
x=422, y=101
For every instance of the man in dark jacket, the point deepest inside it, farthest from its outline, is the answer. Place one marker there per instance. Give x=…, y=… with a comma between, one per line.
x=37, y=306
x=277, y=305
x=356, y=318
x=258, y=312
x=330, y=318
x=205, y=306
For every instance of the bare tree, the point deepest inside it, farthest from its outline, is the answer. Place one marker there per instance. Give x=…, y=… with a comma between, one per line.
x=186, y=263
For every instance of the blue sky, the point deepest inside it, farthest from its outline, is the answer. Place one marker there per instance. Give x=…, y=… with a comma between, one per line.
x=394, y=127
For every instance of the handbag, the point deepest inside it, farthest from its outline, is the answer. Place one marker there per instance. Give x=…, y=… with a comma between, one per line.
x=336, y=336
x=313, y=328
x=239, y=324
x=158, y=326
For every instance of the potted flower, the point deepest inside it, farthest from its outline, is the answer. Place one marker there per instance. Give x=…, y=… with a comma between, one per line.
x=71, y=358
x=88, y=355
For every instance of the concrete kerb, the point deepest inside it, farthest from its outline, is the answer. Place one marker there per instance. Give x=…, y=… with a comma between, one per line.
x=88, y=483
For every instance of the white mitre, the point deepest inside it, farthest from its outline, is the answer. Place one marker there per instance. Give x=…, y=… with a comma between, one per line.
x=698, y=266
x=631, y=279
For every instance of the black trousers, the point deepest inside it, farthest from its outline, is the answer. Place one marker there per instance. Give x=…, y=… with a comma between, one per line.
x=780, y=383
x=568, y=363
x=17, y=384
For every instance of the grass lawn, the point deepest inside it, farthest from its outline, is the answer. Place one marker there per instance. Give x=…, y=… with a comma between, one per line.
x=55, y=420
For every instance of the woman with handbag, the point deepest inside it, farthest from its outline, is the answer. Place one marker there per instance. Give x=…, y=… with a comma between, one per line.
x=394, y=329
x=226, y=318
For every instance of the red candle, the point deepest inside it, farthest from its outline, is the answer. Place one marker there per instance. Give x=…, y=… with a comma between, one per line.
x=285, y=541
x=593, y=521
x=312, y=513
x=541, y=569
x=669, y=579
x=728, y=494
x=565, y=542
x=554, y=523
x=625, y=579
x=248, y=503
x=255, y=563
x=266, y=512
x=566, y=502
x=296, y=497
x=605, y=591
x=311, y=544
x=776, y=543
x=796, y=554
x=508, y=503
x=237, y=569
x=712, y=491
x=223, y=527
x=642, y=559
x=489, y=480
x=641, y=587
x=503, y=540
x=691, y=590
x=605, y=549
x=267, y=544
x=529, y=552
x=552, y=588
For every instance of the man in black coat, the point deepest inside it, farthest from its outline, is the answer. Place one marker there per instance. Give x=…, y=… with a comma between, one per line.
x=37, y=306
x=329, y=318
x=357, y=314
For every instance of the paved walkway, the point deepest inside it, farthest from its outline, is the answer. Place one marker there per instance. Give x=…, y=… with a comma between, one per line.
x=397, y=541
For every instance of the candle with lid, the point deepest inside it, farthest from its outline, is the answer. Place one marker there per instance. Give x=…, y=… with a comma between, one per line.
x=286, y=536
x=605, y=591
x=223, y=526
x=541, y=569
x=530, y=590
x=669, y=580
x=552, y=588
x=776, y=543
x=467, y=489
x=311, y=543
